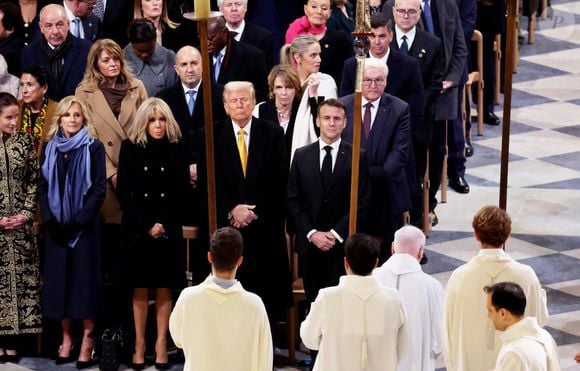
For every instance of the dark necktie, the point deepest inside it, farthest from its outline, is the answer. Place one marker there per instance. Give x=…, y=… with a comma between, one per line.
x=326, y=170
x=404, y=45
x=427, y=17
x=367, y=119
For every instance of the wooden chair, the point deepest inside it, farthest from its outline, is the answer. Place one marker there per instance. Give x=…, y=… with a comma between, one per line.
x=190, y=233
x=298, y=296
x=478, y=78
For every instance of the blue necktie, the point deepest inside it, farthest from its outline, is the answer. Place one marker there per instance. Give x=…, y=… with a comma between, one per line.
x=217, y=66
x=427, y=17
x=404, y=45
x=191, y=101
x=76, y=30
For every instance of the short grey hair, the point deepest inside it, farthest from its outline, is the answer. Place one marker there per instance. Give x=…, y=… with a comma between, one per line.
x=239, y=85
x=220, y=2
x=409, y=240
x=377, y=63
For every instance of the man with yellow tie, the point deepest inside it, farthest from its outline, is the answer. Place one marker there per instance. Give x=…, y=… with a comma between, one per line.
x=250, y=172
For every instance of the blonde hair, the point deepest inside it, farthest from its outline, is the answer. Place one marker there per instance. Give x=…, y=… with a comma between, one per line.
x=165, y=21
x=62, y=107
x=299, y=45
x=239, y=85
x=93, y=76
x=138, y=131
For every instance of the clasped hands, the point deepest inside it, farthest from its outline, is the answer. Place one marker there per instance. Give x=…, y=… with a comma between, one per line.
x=323, y=240
x=242, y=215
x=13, y=222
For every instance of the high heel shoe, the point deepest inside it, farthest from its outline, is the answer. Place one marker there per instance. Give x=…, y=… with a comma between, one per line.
x=11, y=358
x=137, y=366
x=62, y=360
x=86, y=364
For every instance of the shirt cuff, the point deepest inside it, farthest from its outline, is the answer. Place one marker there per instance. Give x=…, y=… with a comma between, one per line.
x=335, y=233
x=309, y=234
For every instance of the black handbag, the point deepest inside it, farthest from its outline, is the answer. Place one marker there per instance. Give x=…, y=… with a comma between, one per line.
x=112, y=346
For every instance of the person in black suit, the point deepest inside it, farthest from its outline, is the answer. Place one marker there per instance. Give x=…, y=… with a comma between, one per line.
x=234, y=12
x=404, y=80
x=84, y=24
x=426, y=48
x=64, y=55
x=115, y=19
x=319, y=200
x=251, y=171
x=235, y=61
x=387, y=141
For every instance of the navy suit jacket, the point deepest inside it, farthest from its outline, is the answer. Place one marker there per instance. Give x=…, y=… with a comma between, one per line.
x=189, y=124
x=307, y=198
x=75, y=62
x=244, y=62
x=389, y=150
x=404, y=82
x=92, y=27
x=118, y=15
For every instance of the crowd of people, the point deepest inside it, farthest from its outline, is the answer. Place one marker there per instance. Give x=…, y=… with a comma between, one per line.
x=103, y=162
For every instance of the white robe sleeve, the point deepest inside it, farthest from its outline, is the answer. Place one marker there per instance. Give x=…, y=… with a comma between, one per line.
x=436, y=311
x=175, y=323
x=311, y=328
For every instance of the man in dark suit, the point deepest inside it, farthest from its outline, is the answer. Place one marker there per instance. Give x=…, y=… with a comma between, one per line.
x=404, y=72
x=234, y=12
x=386, y=137
x=318, y=200
x=84, y=24
x=115, y=16
x=426, y=48
x=64, y=55
x=235, y=61
x=250, y=175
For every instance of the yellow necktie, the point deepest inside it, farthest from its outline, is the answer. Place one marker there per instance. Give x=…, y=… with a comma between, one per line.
x=243, y=150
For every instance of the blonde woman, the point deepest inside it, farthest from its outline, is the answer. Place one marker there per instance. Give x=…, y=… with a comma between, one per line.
x=71, y=191
x=156, y=11
x=153, y=177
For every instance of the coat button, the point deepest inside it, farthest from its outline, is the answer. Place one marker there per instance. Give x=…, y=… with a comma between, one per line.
x=145, y=168
x=145, y=195
x=162, y=168
x=162, y=195
x=110, y=144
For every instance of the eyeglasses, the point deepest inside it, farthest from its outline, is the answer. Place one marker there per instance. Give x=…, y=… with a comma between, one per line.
x=408, y=12
x=369, y=82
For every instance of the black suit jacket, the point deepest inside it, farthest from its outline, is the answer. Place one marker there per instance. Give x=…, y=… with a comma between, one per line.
x=404, y=82
x=426, y=48
x=265, y=270
x=310, y=206
x=261, y=39
x=118, y=15
x=244, y=62
x=389, y=150
x=189, y=124
x=92, y=27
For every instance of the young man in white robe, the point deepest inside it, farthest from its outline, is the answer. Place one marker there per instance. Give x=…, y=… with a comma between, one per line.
x=359, y=324
x=219, y=325
x=422, y=295
x=526, y=346
x=470, y=341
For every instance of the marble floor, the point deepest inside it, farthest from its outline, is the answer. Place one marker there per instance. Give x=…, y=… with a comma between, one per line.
x=544, y=183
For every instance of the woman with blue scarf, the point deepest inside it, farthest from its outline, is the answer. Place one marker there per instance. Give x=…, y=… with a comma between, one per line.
x=71, y=191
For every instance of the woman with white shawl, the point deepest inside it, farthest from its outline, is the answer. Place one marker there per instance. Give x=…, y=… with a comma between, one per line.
x=304, y=55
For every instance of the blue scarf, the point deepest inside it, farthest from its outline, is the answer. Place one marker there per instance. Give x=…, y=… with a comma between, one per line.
x=77, y=179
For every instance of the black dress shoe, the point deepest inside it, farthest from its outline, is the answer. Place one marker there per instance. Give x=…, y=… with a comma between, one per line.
x=459, y=184
x=424, y=259
x=491, y=119
x=11, y=358
x=468, y=149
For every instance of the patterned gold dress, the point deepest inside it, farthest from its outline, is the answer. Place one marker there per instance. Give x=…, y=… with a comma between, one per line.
x=19, y=262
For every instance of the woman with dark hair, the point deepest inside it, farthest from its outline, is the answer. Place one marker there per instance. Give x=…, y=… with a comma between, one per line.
x=11, y=42
x=71, y=191
x=153, y=64
x=153, y=177
x=35, y=108
x=19, y=268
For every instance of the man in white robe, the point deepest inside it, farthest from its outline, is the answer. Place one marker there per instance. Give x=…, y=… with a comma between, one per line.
x=422, y=296
x=470, y=340
x=359, y=324
x=219, y=325
x=526, y=346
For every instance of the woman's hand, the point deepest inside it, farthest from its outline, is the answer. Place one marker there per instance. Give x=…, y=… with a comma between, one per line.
x=13, y=222
x=312, y=83
x=157, y=230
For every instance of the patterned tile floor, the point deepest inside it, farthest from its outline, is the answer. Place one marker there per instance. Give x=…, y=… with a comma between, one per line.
x=544, y=182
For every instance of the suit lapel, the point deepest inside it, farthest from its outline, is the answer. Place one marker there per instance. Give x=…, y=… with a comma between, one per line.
x=339, y=166
x=257, y=143
x=229, y=148
x=380, y=129
x=98, y=100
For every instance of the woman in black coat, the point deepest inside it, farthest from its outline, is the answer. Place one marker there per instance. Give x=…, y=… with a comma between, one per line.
x=71, y=191
x=153, y=176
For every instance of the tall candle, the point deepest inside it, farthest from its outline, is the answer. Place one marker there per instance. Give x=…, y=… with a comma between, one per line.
x=201, y=8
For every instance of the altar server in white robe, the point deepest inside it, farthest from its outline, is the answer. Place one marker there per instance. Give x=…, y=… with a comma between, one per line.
x=422, y=296
x=526, y=346
x=470, y=340
x=359, y=324
x=219, y=325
